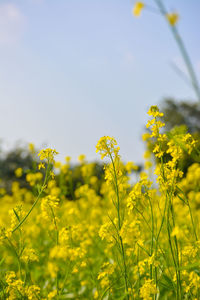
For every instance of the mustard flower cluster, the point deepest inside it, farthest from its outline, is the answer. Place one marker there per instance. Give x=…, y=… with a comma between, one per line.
x=48, y=154
x=131, y=234
x=107, y=146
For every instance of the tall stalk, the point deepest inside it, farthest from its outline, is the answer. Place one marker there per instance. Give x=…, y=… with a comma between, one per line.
x=182, y=49
x=119, y=226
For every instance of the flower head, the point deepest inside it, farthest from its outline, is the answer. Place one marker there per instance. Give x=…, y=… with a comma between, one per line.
x=48, y=154
x=18, y=172
x=172, y=18
x=31, y=148
x=81, y=158
x=138, y=8
x=107, y=146
x=154, y=111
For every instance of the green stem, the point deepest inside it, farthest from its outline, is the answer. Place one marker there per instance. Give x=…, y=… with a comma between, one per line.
x=172, y=252
x=192, y=220
x=177, y=249
x=57, y=238
x=17, y=256
x=186, y=201
x=36, y=201
x=119, y=224
x=152, y=234
x=24, y=219
x=182, y=49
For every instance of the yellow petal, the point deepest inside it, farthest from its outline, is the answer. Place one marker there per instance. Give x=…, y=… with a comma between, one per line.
x=138, y=8
x=172, y=18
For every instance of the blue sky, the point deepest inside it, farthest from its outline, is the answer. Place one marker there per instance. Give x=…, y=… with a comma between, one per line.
x=73, y=71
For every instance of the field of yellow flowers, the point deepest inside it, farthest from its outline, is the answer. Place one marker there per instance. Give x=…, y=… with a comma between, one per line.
x=129, y=241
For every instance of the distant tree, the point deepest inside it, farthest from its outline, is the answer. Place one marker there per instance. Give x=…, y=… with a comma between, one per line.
x=178, y=113
x=10, y=161
x=24, y=161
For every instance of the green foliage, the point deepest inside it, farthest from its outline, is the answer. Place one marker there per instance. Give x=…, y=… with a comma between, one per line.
x=177, y=113
x=10, y=161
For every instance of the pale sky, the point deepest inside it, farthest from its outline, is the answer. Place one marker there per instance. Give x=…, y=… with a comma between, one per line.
x=72, y=71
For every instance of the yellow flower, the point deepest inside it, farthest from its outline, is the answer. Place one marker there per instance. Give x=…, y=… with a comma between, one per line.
x=155, y=124
x=41, y=166
x=177, y=232
x=148, y=289
x=32, y=292
x=31, y=147
x=130, y=166
x=47, y=154
x=48, y=204
x=18, y=172
x=52, y=174
x=107, y=146
x=172, y=18
x=96, y=294
x=67, y=159
x=52, y=295
x=75, y=270
x=146, y=136
x=154, y=111
x=138, y=8
x=29, y=254
x=81, y=158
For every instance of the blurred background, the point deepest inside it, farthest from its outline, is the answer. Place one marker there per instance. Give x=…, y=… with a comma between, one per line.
x=73, y=71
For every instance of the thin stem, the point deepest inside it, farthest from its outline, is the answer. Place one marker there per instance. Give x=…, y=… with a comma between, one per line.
x=24, y=219
x=172, y=252
x=36, y=201
x=182, y=49
x=119, y=224
x=152, y=233
x=177, y=249
x=190, y=211
x=57, y=240
x=17, y=256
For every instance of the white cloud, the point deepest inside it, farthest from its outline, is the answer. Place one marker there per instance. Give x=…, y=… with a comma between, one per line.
x=12, y=23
